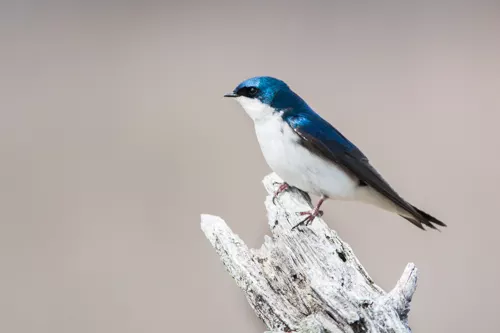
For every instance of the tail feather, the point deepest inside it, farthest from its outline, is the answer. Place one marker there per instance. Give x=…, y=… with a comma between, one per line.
x=424, y=219
x=413, y=221
x=430, y=217
x=420, y=223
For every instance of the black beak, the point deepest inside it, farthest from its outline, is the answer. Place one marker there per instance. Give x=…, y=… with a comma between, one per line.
x=230, y=95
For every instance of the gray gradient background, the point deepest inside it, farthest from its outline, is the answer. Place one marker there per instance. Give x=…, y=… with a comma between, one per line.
x=114, y=137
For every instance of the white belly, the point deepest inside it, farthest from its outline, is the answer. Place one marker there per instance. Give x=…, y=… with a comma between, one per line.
x=297, y=166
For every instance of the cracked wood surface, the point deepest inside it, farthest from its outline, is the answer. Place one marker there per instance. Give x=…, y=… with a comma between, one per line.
x=308, y=279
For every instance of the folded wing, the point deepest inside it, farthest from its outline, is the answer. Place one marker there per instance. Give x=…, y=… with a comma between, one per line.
x=323, y=139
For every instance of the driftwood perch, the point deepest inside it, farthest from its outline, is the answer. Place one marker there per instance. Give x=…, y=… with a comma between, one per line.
x=308, y=279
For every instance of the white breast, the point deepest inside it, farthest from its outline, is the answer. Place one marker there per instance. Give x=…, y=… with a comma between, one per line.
x=296, y=165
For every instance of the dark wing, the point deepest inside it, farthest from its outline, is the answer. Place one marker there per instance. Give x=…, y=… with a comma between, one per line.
x=323, y=139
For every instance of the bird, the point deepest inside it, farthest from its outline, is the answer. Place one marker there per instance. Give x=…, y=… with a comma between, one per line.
x=309, y=154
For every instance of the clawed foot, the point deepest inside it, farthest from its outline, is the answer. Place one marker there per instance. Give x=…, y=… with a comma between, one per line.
x=311, y=215
x=283, y=187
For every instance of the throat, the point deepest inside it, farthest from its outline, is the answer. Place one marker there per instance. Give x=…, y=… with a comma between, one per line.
x=255, y=109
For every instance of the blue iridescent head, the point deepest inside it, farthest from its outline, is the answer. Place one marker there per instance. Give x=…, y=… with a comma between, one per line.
x=263, y=88
x=262, y=96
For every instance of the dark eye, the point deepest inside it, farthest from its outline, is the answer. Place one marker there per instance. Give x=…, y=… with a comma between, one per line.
x=252, y=91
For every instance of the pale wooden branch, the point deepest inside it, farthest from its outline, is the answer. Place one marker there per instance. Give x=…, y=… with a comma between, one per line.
x=308, y=279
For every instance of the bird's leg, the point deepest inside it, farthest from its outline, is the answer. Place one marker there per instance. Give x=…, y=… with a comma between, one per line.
x=312, y=214
x=283, y=187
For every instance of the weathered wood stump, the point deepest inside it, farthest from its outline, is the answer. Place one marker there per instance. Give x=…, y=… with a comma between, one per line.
x=308, y=279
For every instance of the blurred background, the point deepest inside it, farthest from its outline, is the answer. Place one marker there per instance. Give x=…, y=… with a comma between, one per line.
x=114, y=137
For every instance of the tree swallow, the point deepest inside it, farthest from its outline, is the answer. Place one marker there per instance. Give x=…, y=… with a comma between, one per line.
x=308, y=153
